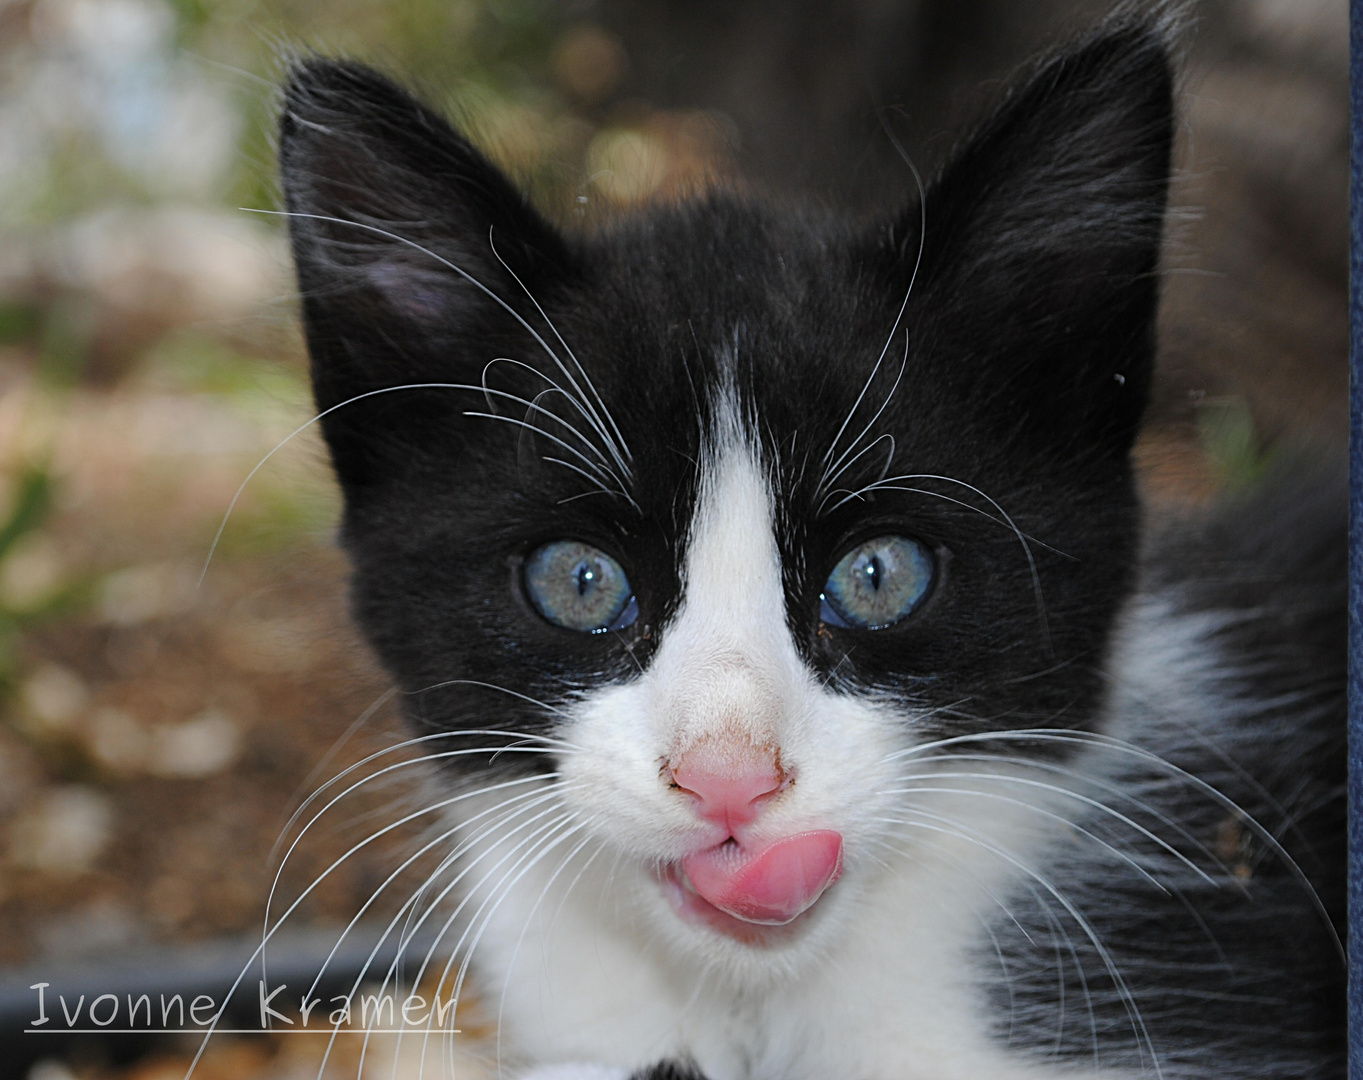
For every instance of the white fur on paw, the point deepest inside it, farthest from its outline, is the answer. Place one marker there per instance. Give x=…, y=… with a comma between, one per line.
x=576, y=1071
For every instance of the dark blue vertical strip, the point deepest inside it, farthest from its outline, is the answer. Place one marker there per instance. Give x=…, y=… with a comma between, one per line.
x=1356, y=549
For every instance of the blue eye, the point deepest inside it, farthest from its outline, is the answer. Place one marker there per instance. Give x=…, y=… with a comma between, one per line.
x=579, y=587
x=877, y=583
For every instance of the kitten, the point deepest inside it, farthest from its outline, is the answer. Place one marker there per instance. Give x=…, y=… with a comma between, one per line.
x=770, y=589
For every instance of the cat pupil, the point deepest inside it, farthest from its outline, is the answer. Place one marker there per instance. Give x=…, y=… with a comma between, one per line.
x=872, y=572
x=586, y=576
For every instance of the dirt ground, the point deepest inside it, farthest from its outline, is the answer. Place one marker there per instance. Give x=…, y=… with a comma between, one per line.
x=157, y=733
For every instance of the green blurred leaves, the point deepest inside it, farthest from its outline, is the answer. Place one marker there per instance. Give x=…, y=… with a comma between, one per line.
x=1230, y=442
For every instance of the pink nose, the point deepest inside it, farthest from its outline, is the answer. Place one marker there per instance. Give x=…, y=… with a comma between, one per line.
x=729, y=781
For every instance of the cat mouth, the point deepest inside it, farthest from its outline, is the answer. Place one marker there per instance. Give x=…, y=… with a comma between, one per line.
x=752, y=893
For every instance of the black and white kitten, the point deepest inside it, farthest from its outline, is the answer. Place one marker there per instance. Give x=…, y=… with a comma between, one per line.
x=798, y=564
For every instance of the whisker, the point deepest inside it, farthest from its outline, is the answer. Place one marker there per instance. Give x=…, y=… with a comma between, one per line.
x=592, y=467
x=515, y=952
x=415, y=898
x=529, y=798
x=939, y=851
x=424, y=251
x=619, y=449
x=313, y=420
x=1085, y=800
x=1093, y=781
x=995, y=796
x=270, y=931
x=884, y=470
x=1108, y=742
x=558, y=743
x=544, y=839
x=321, y=765
x=361, y=783
x=532, y=839
x=601, y=489
x=531, y=860
x=949, y=827
x=894, y=328
x=536, y=407
x=844, y=463
x=358, y=397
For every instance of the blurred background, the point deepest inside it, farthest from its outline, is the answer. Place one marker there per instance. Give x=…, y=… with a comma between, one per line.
x=156, y=729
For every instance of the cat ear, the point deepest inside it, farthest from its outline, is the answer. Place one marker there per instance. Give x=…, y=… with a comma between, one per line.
x=415, y=256
x=1041, y=243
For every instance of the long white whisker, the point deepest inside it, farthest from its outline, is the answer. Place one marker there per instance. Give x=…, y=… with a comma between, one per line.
x=553, y=388
x=939, y=851
x=515, y=952
x=1091, y=781
x=270, y=932
x=922, y=789
x=619, y=449
x=843, y=463
x=894, y=328
x=953, y=828
x=416, y=741
x=601, y=489
x=236, y=497
x=868, y=448
x=542, y=839
x=241, y=488
x=317, y=769
x=430, y=254
x=1087, y=801
x=354, y=787
x=531, y=839
x=1107, y=742
x=374, y=895
x=528, y=799
x=415, y=898
x=531, y=860
x=553, y=741
x=587, y=462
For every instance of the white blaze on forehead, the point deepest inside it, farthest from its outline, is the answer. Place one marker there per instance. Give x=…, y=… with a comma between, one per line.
x=732, y=574
x=727, y=664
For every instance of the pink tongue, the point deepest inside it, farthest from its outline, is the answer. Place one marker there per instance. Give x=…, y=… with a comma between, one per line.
x=772, y=886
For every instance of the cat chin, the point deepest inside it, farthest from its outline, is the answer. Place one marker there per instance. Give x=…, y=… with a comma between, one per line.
x=733, y=958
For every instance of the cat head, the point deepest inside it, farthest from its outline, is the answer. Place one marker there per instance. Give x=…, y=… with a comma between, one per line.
x=732, y=507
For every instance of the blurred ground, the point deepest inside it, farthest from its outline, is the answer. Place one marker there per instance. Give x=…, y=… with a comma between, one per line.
x=155, y=728
x=156, y=731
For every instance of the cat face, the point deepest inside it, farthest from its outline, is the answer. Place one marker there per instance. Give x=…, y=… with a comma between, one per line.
x=726, y=512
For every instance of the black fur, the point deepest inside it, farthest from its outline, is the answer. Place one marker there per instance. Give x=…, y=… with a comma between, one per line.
x=1244, y=977
x=1020, y=364
x=669, y=1070
x=1025, y=351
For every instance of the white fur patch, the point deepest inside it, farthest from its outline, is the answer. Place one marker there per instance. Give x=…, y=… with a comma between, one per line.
x=585, y=960
x=575, y=1071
